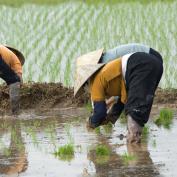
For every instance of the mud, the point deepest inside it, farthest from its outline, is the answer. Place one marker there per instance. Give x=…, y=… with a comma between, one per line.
x=42, y=96
x=51, y=95
x=27, y=148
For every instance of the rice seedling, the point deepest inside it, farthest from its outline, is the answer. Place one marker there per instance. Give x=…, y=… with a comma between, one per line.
x=97, y=130
x=154, y=143
x=165, y=118
x=108, y=128
x=102, y=150
x=65, y=152
x=88, y=106
x=122, y=118
x=30, y=131
x=51, y=133
x=127, y=158
x=145, y=132
x=55, y=48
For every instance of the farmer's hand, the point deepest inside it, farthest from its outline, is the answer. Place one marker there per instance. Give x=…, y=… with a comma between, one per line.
x=109, y=103
x=14, y=92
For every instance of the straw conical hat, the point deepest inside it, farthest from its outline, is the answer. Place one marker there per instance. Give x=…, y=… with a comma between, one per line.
x=18, y=54
x=86, y=66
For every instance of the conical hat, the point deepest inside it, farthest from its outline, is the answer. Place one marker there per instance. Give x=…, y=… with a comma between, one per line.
x=18, y=54
x=86, y=66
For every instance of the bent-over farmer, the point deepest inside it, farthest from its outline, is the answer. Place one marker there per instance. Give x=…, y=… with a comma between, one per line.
x=11, y=61
x=133, y=78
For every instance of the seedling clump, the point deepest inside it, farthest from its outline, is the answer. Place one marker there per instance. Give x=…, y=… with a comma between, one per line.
x=65, y=152
x=165, y=118
x=102, y=150
x=145, y=132
x=127, y=158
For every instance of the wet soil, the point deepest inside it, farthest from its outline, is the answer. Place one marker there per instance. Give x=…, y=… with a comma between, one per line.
x=51, y=95
x=41, y=96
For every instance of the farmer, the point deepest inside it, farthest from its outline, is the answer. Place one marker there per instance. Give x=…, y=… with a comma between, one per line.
x=133, y=78
x=11, y=61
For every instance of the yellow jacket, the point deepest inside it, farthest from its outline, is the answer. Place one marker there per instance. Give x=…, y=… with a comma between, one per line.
x=108, y=82
x=11, y=60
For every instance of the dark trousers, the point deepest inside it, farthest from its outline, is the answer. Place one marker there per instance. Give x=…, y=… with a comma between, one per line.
x=7, y=74
x=142, y=77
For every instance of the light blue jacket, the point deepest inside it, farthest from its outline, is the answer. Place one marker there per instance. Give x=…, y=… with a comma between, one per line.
x=122, y=50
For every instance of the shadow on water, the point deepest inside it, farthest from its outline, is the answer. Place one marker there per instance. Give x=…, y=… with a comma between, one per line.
x=13, y=159
x=27, y=148
x=116, y=165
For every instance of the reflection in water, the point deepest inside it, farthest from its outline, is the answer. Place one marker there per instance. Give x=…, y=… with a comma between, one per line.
x=114, y=165
x=13, y=159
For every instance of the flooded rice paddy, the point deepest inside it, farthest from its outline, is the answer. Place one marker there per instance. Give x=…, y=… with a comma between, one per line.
x=28, y=145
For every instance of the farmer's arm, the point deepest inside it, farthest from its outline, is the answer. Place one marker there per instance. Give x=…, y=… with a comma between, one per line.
x=98, y=99
x=122, y=50
x=17, y=67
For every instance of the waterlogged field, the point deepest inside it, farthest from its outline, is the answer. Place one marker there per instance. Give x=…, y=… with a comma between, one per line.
x=52, y=37
x=55, y=144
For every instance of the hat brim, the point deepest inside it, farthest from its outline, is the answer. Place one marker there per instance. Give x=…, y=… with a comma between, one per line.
x=86, y=66
x=85, y=72
x=18, y=54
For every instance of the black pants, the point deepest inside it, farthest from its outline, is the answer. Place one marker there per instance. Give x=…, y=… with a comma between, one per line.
x=7, y=74
x=142, y=77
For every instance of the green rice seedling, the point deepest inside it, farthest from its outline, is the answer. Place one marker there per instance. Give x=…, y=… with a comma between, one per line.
x=65, y=152
x=122, y=118
x=97, y=130
x=102, y=150
x=108, y=128
x=51, y=133
x=7, y=152
x=154, y=144
x=145, y=132
x=33, y=135
x=165, y=118
x=102, y=154
x=89, y=106
x=127, y=158
x=69, y=134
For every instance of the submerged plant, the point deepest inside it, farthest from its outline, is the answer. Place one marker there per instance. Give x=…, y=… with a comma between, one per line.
x=65, y=152
x=108, y=128
x=154, y=144
x=102, y=150
x=123, y=119
x=89, y=106
x=165, y=118
x=145, y=132
x=127, y=158
x=97, y=130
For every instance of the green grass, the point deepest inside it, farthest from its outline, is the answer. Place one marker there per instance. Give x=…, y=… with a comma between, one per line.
x=165, y=118
x=127, y=158
x=65, y=152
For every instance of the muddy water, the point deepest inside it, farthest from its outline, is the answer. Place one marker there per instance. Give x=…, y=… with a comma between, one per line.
x=28, y=143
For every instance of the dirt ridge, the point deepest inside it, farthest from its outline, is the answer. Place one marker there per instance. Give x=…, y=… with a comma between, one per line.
x=48, y=95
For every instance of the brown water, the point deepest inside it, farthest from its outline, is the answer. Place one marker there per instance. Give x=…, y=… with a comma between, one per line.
x=27, y=144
